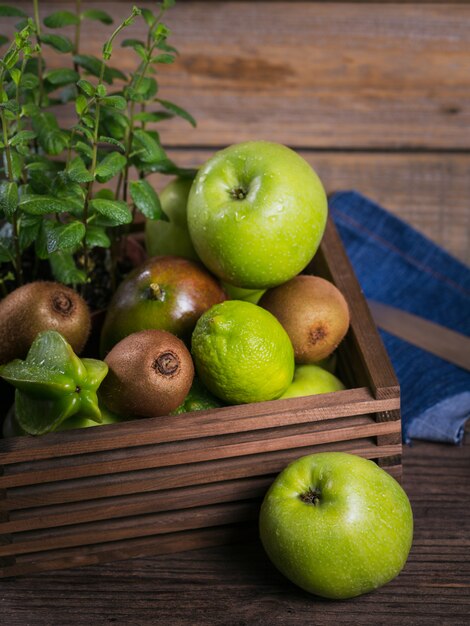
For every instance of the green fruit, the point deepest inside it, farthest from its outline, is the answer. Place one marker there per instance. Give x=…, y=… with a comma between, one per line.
x=336, y=525
x=198, y=399
x=242, y=353
x=172, y=238
x=53, y=385
x=40, y=306
x=165, y=293
x=238, y=293
x=11, y=428
x=310, y=380
x=256, y=214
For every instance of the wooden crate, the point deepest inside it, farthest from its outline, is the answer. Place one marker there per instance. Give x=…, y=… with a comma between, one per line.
x=166, y=484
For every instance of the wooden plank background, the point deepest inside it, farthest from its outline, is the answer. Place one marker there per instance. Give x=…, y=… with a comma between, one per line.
x=376, y=95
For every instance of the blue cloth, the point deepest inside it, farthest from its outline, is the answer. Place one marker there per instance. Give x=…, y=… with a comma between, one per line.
x=397, y=265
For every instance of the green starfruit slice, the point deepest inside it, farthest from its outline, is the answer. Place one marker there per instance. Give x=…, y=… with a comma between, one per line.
x=54, y=384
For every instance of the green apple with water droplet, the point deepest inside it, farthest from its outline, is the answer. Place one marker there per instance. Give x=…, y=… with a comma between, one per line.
x=336, y=525
x=256, y=214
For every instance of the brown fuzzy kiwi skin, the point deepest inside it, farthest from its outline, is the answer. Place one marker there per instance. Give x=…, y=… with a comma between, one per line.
x=150, y=374
x=314, y=314
x=39, y=306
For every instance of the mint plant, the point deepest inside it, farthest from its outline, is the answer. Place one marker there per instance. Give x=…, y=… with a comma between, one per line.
x=68, y=196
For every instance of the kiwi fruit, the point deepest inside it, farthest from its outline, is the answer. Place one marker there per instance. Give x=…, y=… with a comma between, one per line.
x=150, y=374
x=314, y=314
x=40, y=306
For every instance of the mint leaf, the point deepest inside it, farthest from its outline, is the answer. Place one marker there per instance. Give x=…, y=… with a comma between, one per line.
x=115, y=102
x=116, y=211
x=58, y=19
x=96, y=236
x=78, y=172
x=146, y=200
x=42, y=205
x=86, y=87
x=9, y=11
x=50, y=137
x=97, y=15
x=146, y=147
x=177, y=110
x=61, y=77
x=65, y=236
x=8, y=198
x=65, y=270
x=60, y=43
x=22, y=137
x=113, y=142
x=111, y=165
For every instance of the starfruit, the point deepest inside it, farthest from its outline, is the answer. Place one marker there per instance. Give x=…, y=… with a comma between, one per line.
x=53, y=383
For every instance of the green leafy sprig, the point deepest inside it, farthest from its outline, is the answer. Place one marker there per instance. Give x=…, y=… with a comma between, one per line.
x=50, y=206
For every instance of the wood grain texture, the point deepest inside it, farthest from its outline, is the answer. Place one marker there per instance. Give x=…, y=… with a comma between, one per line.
x=236, y=584
x=314, y=75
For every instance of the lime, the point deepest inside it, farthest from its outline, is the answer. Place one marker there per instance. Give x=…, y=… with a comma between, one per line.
x=198, y=399
x=242, y=353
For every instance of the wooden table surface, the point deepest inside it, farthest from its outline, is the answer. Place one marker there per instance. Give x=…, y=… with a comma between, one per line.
x=376, y=95
x=237, y=586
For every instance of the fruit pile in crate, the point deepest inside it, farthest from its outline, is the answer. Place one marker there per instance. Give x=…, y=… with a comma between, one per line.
x=218, y=353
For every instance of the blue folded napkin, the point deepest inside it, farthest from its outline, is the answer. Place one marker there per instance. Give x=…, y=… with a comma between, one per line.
x=397, y=265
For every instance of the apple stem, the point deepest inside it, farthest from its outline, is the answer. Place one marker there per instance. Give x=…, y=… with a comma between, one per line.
x=156, y=292
x=238, y=193
x=312, y=496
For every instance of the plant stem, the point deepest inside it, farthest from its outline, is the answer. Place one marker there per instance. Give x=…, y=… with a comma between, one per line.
x=38, y=40
x=107, y=48
x=74, y=131
x=17, y=96
x=130, y=133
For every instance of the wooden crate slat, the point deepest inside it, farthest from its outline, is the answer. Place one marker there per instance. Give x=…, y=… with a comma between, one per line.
x=198, y=454
x=141, y=452
x=193, y=425
x=139, y=526
x=139, y=504
x=129, y=548
x=334, y=261
x=190, y=474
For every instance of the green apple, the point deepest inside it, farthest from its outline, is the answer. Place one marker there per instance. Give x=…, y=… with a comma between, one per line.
x=172, y=237
x=336, y=525
x=256, y=214
x=310, y=380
